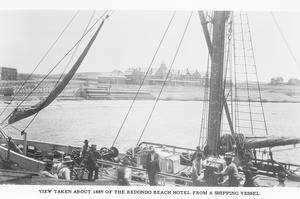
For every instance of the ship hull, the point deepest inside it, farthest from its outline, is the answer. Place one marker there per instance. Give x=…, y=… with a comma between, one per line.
x=33, y=165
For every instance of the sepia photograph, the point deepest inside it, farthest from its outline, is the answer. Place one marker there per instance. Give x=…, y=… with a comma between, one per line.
x=165, y=98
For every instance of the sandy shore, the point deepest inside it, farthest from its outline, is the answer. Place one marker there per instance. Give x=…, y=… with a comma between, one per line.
x=269, y=93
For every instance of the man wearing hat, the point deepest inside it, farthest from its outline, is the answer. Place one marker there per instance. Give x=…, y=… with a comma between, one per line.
x=281, y=179
x=46, y=173
x=85, y=148
x=197, y=169
x=252, y=180
x=232, y=172
x=63, y=168
x=152, y=166
x=194, y=156
x=247, y=161
x=91, y=164
x=124, y=173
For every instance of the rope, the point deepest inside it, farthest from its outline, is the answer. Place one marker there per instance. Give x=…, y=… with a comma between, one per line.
x=57, y=82
x=204, y=106
x=287, y=45
x=54, y=67
x=162, y=39
x=165, y=79
x=75, y=50
x=39, y=63
x=111, y=13
x=229, y=142
x=15, y=128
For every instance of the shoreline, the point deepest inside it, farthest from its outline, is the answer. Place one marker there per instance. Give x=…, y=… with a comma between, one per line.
x=72, y=99
x=269, y=94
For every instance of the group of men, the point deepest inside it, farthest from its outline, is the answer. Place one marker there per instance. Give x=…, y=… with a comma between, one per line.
x=152, y=168
x=62, y=170
x=231, y=170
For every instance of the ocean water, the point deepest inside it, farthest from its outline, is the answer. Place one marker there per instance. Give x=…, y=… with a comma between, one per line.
x=173, y=122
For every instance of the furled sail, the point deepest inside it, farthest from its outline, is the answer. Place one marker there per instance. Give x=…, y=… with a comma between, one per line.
x=237, y=140
x=270, y=142
x=21, y=113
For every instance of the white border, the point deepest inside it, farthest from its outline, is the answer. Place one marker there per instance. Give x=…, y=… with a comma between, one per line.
x=24, y=191
x=250, y=5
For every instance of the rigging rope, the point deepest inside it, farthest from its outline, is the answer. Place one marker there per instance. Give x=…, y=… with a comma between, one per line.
x=15, y=128
x=111, y=13
x=204, y=107
x=72, y=56
x=162, y=39
x=55, y=66
x=57, y=82
x=39, y=62
x=287, y=45
x=175, y=56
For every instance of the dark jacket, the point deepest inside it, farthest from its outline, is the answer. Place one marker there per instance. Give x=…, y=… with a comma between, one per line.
x=91, y=161
x=152, y=166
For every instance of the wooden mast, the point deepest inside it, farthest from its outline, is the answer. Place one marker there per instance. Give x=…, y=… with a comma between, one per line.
x=216, y=94
x=217, y=99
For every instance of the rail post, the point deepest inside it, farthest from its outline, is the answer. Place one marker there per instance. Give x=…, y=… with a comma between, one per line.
x=8, y=148
x=25, y=142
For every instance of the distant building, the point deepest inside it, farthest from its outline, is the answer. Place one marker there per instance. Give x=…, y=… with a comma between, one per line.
x=114, y=77
x=276, y=80
x=293, y=81
x=134, y=75
x=8, y=74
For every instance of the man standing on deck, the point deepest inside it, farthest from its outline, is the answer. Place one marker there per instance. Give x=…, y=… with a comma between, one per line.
x=252, y=180
x=91, y=163
x=197, y=169
x=247, y=161
x=152, y=166
x=124, y=173
x=232, y=172
x=85, y=148
x=198, y=150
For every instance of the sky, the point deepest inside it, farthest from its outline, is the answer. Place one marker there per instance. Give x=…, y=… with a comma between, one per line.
x=129, y=38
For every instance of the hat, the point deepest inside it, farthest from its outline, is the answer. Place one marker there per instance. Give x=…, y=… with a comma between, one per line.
x=126, y=161
x=281, y=176
x=46, y=160
x=151, y=148
x=86, y=141
x=228, y=157
x=248, y=155
x=49, y=164
x=199, y=155
x=245, y=168
x=253, y=170
x=93, y=146
x=67, y=159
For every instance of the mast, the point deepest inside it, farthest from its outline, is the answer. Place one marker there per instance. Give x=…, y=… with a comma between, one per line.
x=216, y=80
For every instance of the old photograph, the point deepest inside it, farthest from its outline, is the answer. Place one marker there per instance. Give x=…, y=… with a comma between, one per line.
x=175, y=98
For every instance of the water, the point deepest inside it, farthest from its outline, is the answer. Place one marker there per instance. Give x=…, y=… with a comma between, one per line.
x=173, y=122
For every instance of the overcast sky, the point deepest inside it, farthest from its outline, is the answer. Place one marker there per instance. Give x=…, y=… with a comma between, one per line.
x=130, y=38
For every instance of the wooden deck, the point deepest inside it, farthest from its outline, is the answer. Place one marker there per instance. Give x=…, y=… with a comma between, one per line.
x=11, y=176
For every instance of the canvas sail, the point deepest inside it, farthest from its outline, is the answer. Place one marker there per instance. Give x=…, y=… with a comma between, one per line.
x=21, y=113
x=270, y=142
